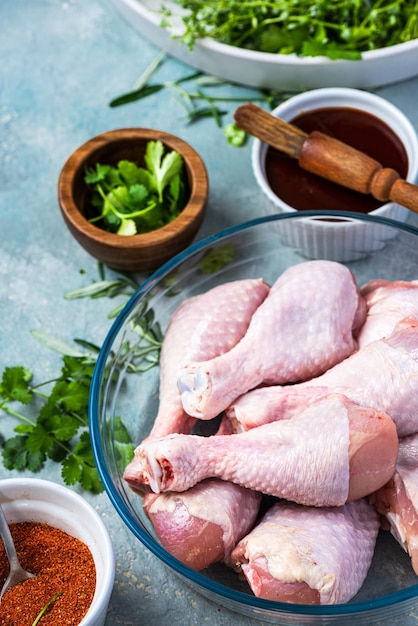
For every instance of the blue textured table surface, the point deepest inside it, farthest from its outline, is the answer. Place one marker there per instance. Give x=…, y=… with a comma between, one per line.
x=61, y=63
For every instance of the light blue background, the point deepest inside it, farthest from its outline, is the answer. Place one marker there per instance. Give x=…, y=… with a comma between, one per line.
x=61, y=62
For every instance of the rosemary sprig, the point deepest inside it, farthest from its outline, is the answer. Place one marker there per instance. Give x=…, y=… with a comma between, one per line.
x=144, y=90
x=124, y=285
x=196, y=101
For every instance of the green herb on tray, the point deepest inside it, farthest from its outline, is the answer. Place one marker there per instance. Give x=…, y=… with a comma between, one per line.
x=128, y=199
x=333, y=28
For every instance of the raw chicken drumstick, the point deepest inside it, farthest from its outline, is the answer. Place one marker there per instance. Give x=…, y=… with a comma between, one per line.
x=308, y=555
x=388, y=302
x=303, y=327
x=201, y=526
x=333, y=452
x=398, y=499
x=383, y=375
x=202, y=327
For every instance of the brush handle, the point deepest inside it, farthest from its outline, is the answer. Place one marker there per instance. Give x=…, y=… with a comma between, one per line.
x=272, y=130
x=328, y=157
x=336, y=161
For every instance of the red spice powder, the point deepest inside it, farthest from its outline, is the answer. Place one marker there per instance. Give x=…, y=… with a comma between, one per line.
x=61, y=563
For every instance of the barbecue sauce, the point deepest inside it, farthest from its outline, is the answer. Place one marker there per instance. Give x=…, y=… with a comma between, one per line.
x=303, y=190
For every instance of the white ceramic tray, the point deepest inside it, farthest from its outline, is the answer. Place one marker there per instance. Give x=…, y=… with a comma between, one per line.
x=274, y=71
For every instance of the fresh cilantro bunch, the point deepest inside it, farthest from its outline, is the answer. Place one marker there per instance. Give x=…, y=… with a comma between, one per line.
x=52, y=415
x=57, y=426
x=128, y=199
x=334, y=28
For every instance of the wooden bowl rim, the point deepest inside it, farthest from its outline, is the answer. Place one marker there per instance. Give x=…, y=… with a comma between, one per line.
x=193, y=209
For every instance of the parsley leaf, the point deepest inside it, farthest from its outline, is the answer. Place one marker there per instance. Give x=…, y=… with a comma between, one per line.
x=15, y=384
x=98, y=175
x=163, y=168
x=120, y=432
x=72, y=470
x=235, y=135
x=16, y=455
x=79, y=467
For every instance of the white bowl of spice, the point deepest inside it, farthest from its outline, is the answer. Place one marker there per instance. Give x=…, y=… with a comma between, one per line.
x=61, y=539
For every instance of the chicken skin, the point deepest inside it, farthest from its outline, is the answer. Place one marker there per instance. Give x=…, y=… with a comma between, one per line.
x=388, y=302
x=397, y=501
x=202, y=327
x=308, y=555
x=201, y=526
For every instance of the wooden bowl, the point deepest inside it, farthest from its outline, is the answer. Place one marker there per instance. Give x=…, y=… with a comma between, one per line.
x=142, y=252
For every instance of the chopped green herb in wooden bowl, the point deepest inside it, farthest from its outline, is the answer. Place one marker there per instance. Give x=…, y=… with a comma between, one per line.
x=128, y=199
x=133, y=197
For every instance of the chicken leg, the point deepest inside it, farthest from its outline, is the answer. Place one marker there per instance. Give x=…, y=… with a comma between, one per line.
x=202, y=525
x=388, y=302
x=333, y=452
x=303, y=327
x=397, y=501
x=307, y=555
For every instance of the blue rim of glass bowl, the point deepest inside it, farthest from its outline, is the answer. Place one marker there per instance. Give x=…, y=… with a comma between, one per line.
x=382, y=602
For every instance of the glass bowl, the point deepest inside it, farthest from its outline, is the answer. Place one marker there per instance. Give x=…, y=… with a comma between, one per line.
x=250, y=250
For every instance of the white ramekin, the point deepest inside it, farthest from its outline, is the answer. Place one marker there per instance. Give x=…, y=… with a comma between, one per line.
x=338, y=240
x=37, y=500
